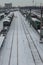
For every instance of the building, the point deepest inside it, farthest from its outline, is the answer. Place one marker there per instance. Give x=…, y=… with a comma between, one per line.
x=8, y=5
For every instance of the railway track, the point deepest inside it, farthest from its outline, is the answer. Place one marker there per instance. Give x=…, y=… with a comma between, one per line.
x=17, y=43
x=11, y=49
x=35, y=53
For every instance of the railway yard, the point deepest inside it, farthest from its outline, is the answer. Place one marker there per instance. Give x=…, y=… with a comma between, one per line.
x=20, y=40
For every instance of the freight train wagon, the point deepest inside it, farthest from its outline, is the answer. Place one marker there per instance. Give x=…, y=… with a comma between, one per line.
x=35, y=23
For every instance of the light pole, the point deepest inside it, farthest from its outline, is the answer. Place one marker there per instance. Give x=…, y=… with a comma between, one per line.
x=33, y=2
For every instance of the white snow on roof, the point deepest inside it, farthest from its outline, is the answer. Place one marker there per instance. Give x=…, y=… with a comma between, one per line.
x=6, y=19
x=39, y=31
x=35, y=19
x=1, y=14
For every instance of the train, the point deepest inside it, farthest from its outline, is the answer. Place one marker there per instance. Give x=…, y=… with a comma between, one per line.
x=6, y=24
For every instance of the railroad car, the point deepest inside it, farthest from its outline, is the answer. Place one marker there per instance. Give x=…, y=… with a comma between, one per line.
x=7, y=12
x=6, y=22
x=4, y=32
x=11, y=15
x=6, y=25
x=35, y=23
x=1, y=16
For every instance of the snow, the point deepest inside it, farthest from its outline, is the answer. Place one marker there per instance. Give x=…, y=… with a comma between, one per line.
x=35, y=19
x=20, y=44
x=16, y=39
x=36, y=38
x=24, y=53
x=39, y=31
x=5, y=52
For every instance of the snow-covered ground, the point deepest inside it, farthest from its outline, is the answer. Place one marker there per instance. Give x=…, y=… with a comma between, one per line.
x=35, y=36
x=16, y=50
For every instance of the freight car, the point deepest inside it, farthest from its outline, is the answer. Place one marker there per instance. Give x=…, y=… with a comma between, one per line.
x=11, y=15
x=35, y=23
x=6, y=25
x=1, y=16
x=7, y=12
x=7, y=21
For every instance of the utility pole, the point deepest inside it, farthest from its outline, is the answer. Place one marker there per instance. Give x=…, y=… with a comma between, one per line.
x=41, y=26
x=30, y=17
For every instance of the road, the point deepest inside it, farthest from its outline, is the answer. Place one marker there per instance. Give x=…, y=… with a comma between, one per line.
x=21, y=46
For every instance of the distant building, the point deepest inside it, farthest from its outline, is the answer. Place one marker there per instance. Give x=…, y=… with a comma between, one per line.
x=8, y=5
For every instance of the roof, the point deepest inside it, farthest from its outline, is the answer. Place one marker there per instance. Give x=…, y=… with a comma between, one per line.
x=35, y=19
x=7, y=19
